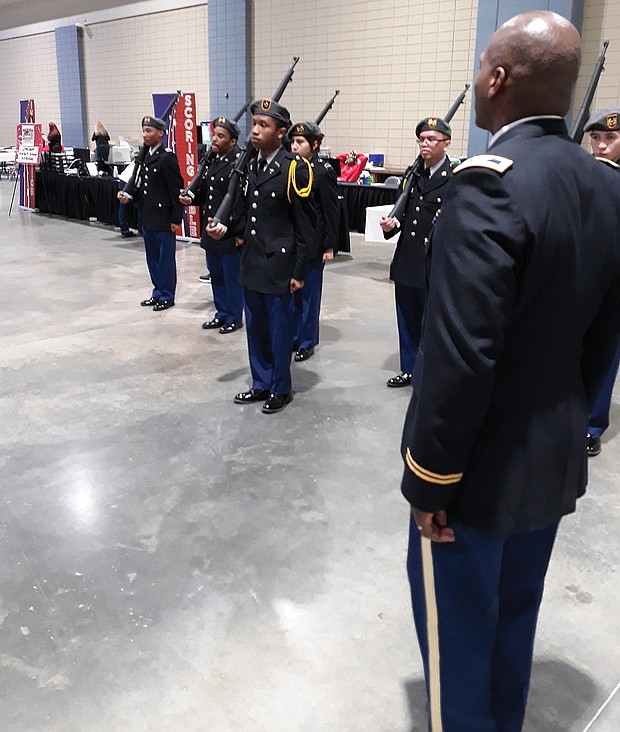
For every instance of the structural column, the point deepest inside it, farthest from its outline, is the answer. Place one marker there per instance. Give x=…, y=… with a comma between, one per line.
x=229, y=57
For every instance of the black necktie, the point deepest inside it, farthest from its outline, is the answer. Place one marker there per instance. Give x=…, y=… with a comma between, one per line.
x=262, y=164
x=426, y=173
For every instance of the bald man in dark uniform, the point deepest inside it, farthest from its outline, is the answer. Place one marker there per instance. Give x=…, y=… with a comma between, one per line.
x=521, y=326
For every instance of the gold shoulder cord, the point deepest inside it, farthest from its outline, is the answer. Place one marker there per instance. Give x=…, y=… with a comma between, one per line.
x=292, y=180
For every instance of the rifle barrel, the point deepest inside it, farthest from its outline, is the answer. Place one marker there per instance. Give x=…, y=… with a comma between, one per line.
x=415, y=169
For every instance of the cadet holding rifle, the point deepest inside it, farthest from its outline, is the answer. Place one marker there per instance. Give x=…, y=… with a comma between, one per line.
x=223, y=258
x=605, y=142
x=274, y=255
x=414, y=225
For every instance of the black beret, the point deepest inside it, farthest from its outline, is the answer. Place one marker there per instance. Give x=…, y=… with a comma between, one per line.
x=603, y=119
x=227, y=124
x=305, y=129
x=435, y=124
x=155, y=122
x=272, y=109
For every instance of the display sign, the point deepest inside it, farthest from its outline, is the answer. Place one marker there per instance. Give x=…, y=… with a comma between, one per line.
x=29, y=135
x=182, y=139
x=28, y=155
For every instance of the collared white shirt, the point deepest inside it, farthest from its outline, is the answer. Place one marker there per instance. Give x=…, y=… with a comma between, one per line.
x=511, y=125
x=436, y=167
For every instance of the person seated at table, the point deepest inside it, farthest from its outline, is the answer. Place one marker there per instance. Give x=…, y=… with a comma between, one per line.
x=101, y=138
x=351, y=166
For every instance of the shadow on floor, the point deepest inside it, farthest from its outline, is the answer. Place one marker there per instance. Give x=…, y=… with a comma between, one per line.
x=561, y=699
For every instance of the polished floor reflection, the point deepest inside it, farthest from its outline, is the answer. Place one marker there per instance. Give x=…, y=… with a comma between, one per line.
x=173, y=562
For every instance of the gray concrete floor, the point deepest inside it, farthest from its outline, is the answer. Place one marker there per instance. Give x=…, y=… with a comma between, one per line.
x=174, y=562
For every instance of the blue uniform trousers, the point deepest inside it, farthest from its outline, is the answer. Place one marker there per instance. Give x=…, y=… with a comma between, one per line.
x=308, y=306
x=475, y=606
x=227, y=290
x=599, y=418
x=409, y=310
x=269, y=327
x=161, y=260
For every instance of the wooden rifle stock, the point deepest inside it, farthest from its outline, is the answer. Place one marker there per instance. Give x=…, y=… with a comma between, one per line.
x=225, y=209
x=584, y=110
x=414, y=171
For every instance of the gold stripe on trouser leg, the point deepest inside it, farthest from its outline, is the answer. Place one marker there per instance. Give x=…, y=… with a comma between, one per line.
x=432, y=636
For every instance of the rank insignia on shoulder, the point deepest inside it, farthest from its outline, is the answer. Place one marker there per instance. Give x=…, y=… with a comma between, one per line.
x=491, y=162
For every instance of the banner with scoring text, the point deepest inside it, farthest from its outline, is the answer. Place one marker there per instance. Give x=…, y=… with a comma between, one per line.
x=182, y=138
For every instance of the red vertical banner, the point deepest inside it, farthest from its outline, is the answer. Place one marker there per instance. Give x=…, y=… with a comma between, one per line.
x=26, y=172
x=184, y=142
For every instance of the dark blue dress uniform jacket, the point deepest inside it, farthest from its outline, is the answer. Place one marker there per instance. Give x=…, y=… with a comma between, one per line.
x=426, y=199
x=160, y=183
x=327, y=208
x=209, y=197
x=521, y=325
x=278, y=233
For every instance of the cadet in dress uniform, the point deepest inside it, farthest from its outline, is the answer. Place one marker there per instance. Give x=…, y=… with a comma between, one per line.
x=522, y=322
x=274, y=254
x=306, y=138
x=407, y=268
x=603, y=127
x=158, y=184
x=223, y=257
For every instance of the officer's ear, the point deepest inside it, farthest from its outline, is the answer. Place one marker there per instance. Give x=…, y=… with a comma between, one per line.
x=280, y=132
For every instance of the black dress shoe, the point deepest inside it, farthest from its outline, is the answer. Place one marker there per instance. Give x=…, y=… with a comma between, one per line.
x=400, y=380
x=251, y=395
x=304, y=354
x=148, y=303
x=276, y=403
x=215, y=323
x=127, y=234
x=231, y=327
x=163, y=305
x=593, y=445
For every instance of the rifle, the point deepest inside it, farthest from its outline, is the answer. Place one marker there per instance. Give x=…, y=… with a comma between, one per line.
x=322, y=114
x=414, y=171
x=194, y=185
x=224, y=211
x=584, y=110
x=131, y=185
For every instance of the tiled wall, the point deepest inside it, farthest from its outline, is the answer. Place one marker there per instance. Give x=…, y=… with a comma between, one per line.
x=601, y=22
x=28, y=71
x=394, y=61
x=127, y=60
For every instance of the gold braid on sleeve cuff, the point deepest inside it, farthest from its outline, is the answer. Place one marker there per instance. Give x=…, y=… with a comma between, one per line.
x=428, y=475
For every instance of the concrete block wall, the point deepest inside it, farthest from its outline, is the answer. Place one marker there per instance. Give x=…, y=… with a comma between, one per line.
x=28, y=71
x=393, y=60
x=601, y=21
x=129, y=59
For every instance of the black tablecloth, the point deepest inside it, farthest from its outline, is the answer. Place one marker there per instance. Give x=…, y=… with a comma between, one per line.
x=358, y=198
x=85, y=198
x=80, y=198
